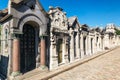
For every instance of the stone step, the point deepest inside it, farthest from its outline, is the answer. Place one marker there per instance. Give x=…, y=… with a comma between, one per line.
x=2, y=77
x=29, y=74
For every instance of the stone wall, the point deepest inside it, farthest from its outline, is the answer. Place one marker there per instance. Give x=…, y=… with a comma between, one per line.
x=83, y=41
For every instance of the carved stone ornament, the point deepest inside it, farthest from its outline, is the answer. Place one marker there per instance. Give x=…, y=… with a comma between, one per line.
x=71, y=32
x=16, y=1
x=58, y=18
x=53, y=39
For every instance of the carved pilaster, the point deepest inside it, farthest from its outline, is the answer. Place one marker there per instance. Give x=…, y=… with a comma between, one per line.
x=53, y=57
x=63, y=51
x=71, y=45
x=77, y=45
x=81, y=46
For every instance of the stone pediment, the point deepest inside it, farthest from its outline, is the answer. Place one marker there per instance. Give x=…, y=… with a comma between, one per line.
x=85, y=27
x=19, y=1
x=16, y=1
x=58, y=30
x=58, y=18
x=20, y=6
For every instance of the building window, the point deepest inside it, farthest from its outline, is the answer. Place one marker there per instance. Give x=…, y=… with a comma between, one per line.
x=6, y=36
x=6, y=39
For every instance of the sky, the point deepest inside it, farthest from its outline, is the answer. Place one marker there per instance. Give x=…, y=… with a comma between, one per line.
x=91, y=12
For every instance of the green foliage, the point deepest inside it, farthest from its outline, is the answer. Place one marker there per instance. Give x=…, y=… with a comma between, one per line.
x=0, y=30
x=0, y=37
x=117, y=32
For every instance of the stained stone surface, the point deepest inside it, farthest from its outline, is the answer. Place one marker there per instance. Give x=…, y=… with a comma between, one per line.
x=105, y=67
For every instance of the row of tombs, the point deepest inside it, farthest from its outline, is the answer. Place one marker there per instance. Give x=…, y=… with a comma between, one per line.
x=33, y=38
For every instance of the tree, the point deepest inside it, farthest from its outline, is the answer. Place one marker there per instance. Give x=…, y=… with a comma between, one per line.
x=117, y=31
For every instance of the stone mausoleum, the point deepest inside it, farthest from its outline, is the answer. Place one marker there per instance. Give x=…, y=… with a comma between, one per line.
x=33, y=38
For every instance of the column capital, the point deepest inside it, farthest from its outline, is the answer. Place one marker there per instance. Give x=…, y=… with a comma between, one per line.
x=43, y=36
x=43, y=29
x=14, y=36
x=15, y=33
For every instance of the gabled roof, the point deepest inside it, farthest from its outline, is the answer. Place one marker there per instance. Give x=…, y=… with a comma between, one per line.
x=71, y=20
x=85, y=26
x=97, y=29
x=41, y=8
x=25, y=1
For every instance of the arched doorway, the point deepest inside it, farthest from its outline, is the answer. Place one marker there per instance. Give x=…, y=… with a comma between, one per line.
x=28, y=48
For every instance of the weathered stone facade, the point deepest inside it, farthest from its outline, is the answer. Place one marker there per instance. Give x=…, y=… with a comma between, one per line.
x=24, y=29
x=32, y=38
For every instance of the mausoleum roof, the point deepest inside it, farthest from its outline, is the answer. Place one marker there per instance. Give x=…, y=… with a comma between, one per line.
x=4, y=15
x=71, y=20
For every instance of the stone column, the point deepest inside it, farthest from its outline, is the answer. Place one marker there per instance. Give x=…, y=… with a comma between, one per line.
x=89, y=45
x=117, y=40
x=66, y=50
x=94, y=44
x=42, y=53
x=81, y=46
x=16, y=57
x=77, y=46
x=71, y=46
x=53, y=56
x=100, y=43
x=51, y=52
x=106, y=41
x=86, y=46
x=63, y=51
x=102, y=39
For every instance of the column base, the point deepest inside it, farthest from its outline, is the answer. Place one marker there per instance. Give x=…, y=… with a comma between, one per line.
x=82, y=54
x=43, y=67
x=15, y=73
x=72, y=60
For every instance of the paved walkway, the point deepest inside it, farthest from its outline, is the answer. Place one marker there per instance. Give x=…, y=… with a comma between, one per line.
x=86, y=69
x=105, y=67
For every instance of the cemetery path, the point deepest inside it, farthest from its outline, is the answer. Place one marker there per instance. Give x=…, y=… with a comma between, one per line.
x=105, y=67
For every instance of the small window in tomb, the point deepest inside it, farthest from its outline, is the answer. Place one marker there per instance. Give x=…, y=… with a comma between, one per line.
x=32, y=7
x=56, y=22
x=66, y=48
x=6, y=33
x=6, y=40
x=97, y=39
x=63, y=23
